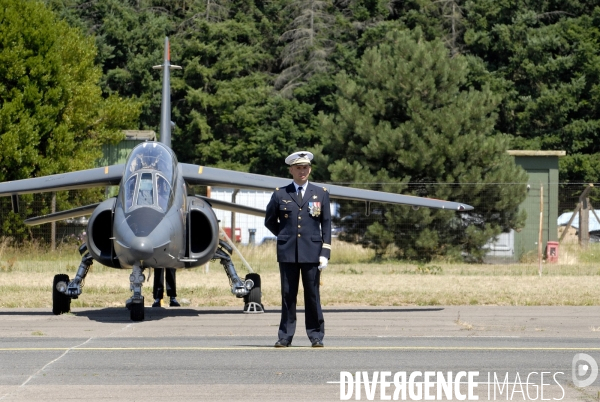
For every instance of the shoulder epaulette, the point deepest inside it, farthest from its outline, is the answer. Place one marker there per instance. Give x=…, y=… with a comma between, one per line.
x=324, y=189
x=276, y=188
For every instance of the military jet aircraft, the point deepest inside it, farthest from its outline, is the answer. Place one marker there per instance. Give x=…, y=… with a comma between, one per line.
x=154, y=223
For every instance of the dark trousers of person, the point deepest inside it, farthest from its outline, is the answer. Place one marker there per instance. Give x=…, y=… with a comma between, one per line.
x=159, y=283
x=290, y=280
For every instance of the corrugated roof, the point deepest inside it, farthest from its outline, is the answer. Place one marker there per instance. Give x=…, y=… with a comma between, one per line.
x=147, y=135
x=536, y=153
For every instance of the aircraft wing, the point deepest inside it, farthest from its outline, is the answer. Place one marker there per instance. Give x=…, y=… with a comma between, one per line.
x=230, y=206
x=59, y=216
x=105, y=176
x=194, y=174
x=89, y=209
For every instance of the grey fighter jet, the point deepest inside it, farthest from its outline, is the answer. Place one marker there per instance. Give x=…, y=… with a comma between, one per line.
x=154, y=223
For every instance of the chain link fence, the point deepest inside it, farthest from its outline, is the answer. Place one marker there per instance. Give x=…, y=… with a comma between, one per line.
x=381, y=226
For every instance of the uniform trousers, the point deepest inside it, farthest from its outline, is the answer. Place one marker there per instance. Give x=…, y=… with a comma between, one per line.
x=290, y=278
x=159, y=283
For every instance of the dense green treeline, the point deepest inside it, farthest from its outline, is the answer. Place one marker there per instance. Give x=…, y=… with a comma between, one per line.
x=543, y=58
x=408, y=94
x=258, y=71
x=53, y=115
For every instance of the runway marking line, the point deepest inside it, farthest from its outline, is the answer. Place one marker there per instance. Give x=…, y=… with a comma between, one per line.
x=66, y=350
x=332, y=348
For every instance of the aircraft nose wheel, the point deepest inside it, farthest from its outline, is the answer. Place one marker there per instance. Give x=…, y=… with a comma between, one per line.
x=136, y=311
x=61, y=303
x=252, y=301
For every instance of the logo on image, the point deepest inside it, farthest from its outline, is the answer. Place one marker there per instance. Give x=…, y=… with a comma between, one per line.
x=585, y=370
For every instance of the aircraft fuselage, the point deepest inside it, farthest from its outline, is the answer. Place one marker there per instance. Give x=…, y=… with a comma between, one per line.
x=150, y=211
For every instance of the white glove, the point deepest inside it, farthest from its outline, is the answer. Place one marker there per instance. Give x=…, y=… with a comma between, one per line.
x=323, y=263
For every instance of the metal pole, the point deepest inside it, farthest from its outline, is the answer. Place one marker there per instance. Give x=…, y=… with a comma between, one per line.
x=584, y=217
x=540, y=234
x=233, y=197
x=53, y=224
x=228, y=240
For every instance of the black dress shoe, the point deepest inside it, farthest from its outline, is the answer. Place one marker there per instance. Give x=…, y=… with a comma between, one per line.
x=156, y=303
x=316, y=343
x=283, y=343
x=174, y=303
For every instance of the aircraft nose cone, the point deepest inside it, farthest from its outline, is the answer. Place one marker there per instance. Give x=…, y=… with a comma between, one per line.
x=141, y=249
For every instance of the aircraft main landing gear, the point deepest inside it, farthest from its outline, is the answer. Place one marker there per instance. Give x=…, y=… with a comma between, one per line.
x=252, y=301
x=61, y=303
x=64, y=290
x=249, y=289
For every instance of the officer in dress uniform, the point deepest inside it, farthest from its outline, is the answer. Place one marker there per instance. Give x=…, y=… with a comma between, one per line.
x=300, y=217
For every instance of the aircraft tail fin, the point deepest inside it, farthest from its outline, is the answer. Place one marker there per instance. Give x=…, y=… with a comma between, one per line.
x=165, y=108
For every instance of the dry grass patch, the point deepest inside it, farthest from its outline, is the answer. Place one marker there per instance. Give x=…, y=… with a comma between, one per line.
x=377, y=285
x=350, y=279
x=463, y=324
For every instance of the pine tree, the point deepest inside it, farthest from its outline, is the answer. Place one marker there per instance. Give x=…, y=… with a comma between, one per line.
x=542, y=57
x=405, y=123
x=307, y=44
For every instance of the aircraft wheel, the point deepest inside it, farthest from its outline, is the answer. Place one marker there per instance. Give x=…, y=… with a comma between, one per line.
x=61, y=303
x=136, y=313
x=255, y=294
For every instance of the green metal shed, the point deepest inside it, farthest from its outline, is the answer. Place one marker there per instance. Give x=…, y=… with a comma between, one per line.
x=117, y=153
x=542, y=168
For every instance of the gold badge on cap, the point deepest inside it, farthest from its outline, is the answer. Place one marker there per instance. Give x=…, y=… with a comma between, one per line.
x=299, y=158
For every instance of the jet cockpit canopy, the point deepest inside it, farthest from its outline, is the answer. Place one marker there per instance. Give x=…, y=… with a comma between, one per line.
x=150, y=172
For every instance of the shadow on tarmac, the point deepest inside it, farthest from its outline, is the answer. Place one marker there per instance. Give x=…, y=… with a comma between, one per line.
x=121, y=314
x=381, y=310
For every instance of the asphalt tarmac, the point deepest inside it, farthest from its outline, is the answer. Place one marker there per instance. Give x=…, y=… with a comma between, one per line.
x=221, y=354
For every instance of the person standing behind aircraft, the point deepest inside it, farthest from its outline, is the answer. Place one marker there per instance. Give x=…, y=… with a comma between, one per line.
x=300, y=217
x=159, y=286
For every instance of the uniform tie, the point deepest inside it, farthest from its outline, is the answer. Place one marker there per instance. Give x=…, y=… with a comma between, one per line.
x=300, y=194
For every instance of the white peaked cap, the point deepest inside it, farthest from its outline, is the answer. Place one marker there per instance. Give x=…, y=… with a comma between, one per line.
x=299, y=158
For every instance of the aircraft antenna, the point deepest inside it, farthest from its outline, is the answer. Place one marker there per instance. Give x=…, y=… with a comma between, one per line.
x=165, y=108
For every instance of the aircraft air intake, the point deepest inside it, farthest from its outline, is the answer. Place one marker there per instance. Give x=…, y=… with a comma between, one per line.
x=99, y=234
x=203, y=232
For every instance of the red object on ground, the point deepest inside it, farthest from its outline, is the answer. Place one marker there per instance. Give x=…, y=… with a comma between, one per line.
x=238, y=234
x=552, y=251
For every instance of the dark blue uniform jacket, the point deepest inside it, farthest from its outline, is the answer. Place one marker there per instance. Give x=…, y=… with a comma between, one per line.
x=305, y=227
